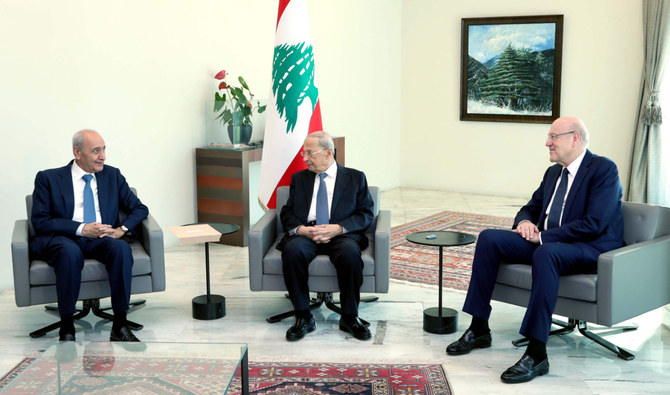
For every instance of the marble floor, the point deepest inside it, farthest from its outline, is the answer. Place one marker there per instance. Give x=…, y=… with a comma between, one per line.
x=578, y=366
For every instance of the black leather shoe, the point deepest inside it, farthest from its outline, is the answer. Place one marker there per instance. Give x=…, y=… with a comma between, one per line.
x=467, y=342
x=356, y=328
x=300, y=328
x=525, y=370
x=66, y=337
x=123, y=335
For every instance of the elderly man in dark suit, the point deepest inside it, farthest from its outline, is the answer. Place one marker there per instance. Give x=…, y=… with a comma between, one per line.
x=574, y=216
x=76, y=216
x=328, y=209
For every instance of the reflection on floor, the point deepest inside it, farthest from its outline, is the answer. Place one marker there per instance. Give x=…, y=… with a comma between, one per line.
x=577, y=364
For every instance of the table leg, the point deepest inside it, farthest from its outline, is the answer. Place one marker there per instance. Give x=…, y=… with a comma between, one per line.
x=439, y=297
x=244, y=372
x=207, y=267
x=208, y=306
x=440, y=320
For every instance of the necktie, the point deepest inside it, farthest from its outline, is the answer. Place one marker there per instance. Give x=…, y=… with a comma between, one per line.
x=322, y=216
x=557, y=204
x=89, y=203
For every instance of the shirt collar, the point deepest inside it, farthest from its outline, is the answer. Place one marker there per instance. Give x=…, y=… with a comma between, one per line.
x=78, y=172
x=574, y=166
x=331, y=171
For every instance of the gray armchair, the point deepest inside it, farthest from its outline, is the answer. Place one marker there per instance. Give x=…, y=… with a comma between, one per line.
x=265, y=264
x=35, y=280
x=631, y=280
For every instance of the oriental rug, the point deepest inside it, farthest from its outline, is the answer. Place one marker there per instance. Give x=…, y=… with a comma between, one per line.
x=191, y=376
x=420, y=264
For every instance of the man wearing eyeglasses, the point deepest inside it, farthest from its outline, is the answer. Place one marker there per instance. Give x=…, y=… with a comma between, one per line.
x=328, y=209
x=573, y=217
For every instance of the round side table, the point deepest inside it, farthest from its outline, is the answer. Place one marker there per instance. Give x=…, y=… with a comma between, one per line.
x=440, y=320
x=208, y=306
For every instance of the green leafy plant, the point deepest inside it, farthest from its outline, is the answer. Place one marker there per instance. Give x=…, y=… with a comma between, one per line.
x=235, y=107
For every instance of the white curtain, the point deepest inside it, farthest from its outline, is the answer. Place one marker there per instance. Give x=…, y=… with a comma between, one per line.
x=649, y=181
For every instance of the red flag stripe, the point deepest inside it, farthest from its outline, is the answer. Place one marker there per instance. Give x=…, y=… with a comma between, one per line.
x=282, y=6
x=297, y=163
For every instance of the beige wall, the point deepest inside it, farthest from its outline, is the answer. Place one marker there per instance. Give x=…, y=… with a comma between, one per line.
x=139, y=71
x=602, y=51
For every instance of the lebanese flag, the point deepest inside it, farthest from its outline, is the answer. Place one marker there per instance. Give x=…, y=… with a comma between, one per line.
x=293, y=109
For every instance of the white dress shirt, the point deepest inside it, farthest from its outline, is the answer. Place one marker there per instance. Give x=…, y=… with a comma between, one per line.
x=572, y=172
x=78, y=183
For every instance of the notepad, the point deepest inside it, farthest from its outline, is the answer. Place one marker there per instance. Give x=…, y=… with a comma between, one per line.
x=191, y=234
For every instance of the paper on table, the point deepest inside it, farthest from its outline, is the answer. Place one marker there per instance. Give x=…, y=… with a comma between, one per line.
x=191, y=234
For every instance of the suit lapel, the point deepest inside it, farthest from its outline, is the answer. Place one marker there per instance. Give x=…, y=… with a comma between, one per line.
x=552, y=178
x=579, y=179
x=103, y=195
x=341, y=183
x=307, y=188
x=67, y=188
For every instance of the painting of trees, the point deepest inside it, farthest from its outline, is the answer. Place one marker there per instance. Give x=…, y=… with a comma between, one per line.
x=511, y=68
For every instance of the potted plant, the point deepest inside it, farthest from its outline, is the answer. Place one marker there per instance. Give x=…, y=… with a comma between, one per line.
x=236, y=105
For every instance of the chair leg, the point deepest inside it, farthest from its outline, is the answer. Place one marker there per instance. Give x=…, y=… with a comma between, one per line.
x=314, y=304
x=97, y=311
x=43, y=331
x=572, y=323
x=90, y=305
x=564, y=329
x=321, y=298
x=620, y=352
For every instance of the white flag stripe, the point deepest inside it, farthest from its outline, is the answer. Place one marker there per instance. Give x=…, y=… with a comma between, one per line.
x=293, y=27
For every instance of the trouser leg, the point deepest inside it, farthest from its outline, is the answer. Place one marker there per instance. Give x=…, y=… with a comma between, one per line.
x=493, y=246
x=117, y=257
x=345, y=254
x=298, y=252
x=65, y=256
x=550, y=261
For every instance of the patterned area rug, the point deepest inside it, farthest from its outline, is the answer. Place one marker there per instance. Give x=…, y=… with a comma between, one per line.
x=420, y=264
x=189, y=376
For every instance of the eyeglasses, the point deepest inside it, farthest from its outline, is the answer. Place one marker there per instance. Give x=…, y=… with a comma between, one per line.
x=307, y=153
x=553, y=136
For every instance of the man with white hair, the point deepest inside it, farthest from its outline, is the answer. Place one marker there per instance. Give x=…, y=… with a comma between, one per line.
x=327, y=212
x=76, y=216
x=573, y=217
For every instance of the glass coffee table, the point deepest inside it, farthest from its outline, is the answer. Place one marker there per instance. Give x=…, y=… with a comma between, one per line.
x=440, y=320
x=106, y=367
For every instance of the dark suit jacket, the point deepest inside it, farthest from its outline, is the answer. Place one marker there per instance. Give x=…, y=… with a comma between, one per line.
x=592, y=214
x=352, y=205
x=53, y=203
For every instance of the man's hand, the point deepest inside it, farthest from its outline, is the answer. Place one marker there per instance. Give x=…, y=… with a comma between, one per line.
x=96, y=230
x=320, y=233
x=528, y=231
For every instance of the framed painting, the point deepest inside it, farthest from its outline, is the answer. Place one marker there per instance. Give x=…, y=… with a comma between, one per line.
x=511, y=68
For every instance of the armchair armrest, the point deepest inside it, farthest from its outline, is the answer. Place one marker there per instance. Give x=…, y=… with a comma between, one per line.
x=382, y=251
x=152, y=240
x=633, y=280
x=261, y=237
x=21, y=263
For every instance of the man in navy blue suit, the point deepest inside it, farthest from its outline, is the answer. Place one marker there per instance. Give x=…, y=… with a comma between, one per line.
x=332, y=225
x=75, y=215
x=574, y=216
